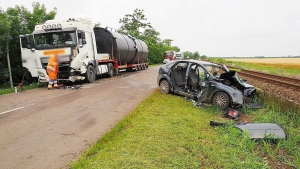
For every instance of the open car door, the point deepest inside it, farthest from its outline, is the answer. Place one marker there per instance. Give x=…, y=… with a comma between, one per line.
x=28, y=55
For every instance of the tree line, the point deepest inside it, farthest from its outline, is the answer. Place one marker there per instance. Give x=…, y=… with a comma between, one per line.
x=18, y=20
x=14, y=22
x=194, y=55
x=136, y=25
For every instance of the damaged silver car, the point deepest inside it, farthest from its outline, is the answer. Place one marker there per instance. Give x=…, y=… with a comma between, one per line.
x=205, y=82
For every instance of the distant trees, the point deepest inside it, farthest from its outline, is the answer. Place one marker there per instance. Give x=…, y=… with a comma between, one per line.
x=13, y=22
x=194, y=55
x=136, y=25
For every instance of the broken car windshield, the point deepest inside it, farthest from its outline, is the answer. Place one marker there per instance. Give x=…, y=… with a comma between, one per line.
x=215, y=70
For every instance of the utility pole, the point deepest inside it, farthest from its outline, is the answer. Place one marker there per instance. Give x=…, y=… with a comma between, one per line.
x=8, y=62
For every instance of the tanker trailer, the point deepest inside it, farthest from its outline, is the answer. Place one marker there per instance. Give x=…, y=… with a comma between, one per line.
x=126, y=51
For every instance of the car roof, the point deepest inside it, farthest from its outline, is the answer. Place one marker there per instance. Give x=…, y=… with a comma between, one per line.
x=197, y=61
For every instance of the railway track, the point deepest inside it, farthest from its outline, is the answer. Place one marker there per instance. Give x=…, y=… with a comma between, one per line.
x=275, y=79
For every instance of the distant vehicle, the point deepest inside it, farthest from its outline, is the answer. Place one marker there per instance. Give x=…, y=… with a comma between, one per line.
x=205, y=82
x=179, y=56
x=169, y=56
x=166, y=61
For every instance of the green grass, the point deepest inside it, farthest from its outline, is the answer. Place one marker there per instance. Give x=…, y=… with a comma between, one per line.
x=276, y=69
x=166, y=131
x=156, y=64
x=12, y=90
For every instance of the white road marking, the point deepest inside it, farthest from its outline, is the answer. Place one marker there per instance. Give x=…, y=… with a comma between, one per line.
x=16, y=109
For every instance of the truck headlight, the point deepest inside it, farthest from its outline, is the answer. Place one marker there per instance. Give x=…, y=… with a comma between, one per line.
x=41, y=74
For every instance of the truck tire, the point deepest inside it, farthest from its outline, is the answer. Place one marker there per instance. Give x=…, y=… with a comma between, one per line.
x=139, y=67
x=164, y=86
x=111, y=71
x=221, y=99
x=90, y=75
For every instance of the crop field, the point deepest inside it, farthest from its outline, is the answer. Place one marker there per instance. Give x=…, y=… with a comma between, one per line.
x=289, y=67
x=290, y=61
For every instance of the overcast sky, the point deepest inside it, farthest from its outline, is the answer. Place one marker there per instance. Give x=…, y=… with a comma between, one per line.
x=211, y=27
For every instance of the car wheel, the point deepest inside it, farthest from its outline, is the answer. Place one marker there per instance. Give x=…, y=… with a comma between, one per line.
x=164, y=87
x=221, y=99
x=90, y=74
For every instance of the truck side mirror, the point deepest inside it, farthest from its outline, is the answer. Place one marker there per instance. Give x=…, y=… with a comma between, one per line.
x=81, y=35
x=27, y=37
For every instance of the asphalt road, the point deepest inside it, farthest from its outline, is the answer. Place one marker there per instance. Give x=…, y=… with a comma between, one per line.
x=47, y=129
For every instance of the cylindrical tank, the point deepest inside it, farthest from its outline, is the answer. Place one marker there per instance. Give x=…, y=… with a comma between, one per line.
x=126, y=49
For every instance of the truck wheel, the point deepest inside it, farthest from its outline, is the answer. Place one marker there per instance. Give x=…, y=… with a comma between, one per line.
x=164, y=86
x=221, y=99
x=110, y=70
x=90, y=74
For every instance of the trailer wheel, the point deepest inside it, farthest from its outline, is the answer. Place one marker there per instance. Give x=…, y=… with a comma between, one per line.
x=110, y=70
x=143, y=67
x=90, y=74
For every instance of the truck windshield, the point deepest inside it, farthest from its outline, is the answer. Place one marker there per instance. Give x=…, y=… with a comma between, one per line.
x=169, y=54
x=55, y=40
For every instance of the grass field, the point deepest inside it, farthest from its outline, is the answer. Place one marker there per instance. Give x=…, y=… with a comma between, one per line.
x=289, y=67
x=166, y=131
x=12, y=90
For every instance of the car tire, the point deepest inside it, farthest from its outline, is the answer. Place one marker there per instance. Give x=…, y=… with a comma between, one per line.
x=90, y=75
x=221, y=99
x=164, y=86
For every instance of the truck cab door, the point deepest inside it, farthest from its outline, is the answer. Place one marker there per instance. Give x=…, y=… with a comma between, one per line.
x=28, y=53
x=85, y=42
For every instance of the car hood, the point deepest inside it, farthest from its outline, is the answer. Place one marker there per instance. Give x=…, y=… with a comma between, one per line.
x=233, y=79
